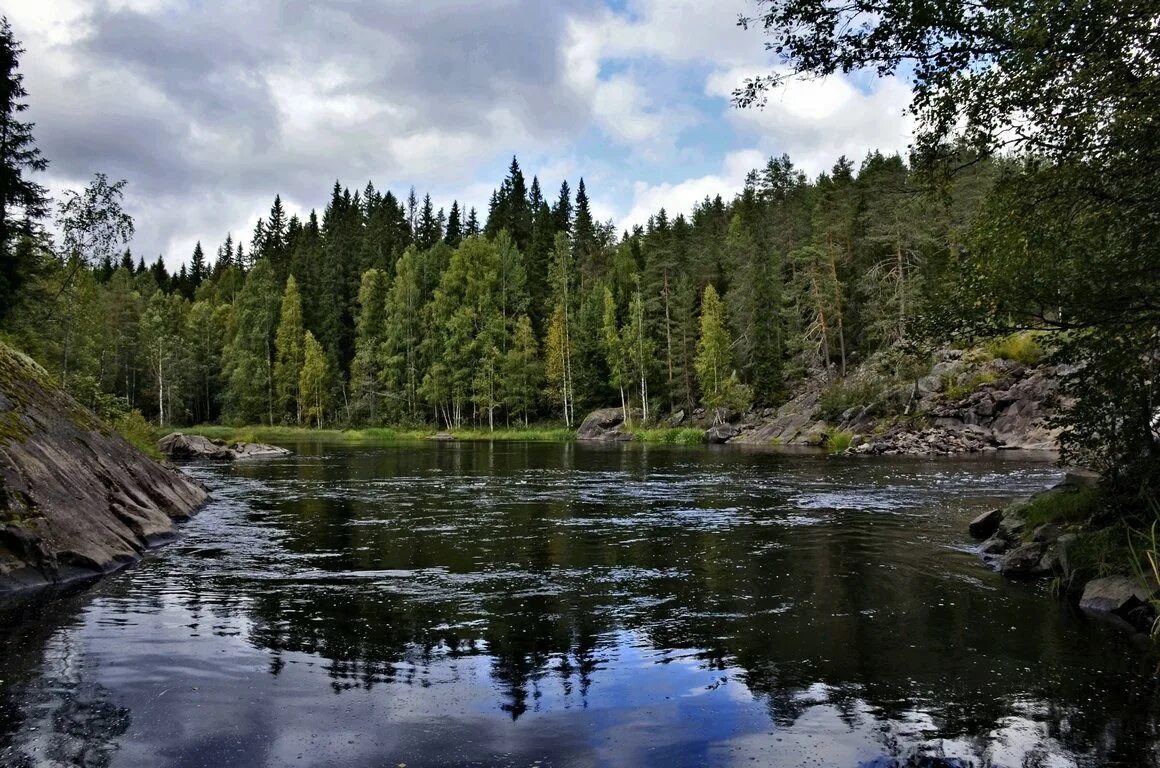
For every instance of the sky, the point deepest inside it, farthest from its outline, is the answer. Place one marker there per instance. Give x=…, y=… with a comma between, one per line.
x=209, y=108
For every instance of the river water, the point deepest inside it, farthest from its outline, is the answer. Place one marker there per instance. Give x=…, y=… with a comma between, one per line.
x=572, y=605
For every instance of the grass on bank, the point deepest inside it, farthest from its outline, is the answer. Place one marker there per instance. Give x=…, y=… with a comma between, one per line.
x=669, y=435
x=261, y=434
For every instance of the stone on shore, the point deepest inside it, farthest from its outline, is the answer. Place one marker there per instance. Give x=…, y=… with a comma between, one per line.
x=985, y=525
x=180, y=446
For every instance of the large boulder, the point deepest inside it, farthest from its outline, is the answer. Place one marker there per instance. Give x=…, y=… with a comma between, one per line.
x=179, y=446
x=1120, y=595
x=604, y=425
x=985, y=525
x=721, y=433
x=76, y=499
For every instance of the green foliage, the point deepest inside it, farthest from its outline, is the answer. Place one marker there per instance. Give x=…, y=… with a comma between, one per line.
x=1063, y=508
x=289, y=354
x=721, y=388
x=132, y=426
x=839, y=442
x=849, y=393
x=670, y=435
x=953, y=390
x=314, y=381
x=1021, y=347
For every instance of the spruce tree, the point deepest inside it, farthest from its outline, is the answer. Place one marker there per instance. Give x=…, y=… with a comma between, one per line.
x=22, y=201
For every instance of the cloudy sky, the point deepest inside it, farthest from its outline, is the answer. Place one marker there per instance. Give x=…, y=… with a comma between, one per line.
x=210, y=107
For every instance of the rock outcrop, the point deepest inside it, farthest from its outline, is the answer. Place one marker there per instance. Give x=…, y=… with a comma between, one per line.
x=959, y=407
x=180, y=446
x=76, y=499
x=605, y=425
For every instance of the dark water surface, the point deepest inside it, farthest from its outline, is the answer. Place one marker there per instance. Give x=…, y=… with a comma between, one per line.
x=564, y=605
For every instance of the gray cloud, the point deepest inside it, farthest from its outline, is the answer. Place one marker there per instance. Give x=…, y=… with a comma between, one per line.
x=210, y=109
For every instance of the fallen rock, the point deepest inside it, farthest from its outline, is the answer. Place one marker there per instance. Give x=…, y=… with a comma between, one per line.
x=1115, y=594
x=985, y=525
x=179, y=446
x=76, y=499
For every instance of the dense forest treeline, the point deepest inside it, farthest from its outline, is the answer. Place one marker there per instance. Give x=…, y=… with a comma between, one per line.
x=384, y=310
x=1028, y=202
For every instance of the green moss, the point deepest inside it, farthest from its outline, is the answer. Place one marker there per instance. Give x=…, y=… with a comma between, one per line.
x=1063, y=507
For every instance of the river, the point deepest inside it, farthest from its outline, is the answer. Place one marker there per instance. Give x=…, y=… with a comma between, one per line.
x=572, y=605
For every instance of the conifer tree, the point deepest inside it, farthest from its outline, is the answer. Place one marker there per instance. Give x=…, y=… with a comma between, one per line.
x=22, y=201
x=249, y=357
x=454, y=226
x=720, y=387
x=370, y=329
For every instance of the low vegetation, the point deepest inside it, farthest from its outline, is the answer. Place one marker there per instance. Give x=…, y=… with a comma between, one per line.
x=670, y=435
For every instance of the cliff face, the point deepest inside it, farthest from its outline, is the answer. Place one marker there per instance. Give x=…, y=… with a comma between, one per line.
x=76, y=500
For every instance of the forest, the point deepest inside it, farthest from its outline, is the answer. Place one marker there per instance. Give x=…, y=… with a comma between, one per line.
x=382, y=309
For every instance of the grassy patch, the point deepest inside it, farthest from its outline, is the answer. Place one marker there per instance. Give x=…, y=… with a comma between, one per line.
x=140, y=433
x=1062, y=508
x=954, y=391
x=670, y=435
x=1021, y=347
x=839, y=442
x=259, y=434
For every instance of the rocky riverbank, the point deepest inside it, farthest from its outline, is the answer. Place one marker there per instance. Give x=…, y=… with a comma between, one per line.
x=1052, y=536
x=180, y=446
x=959, y=405
x=76, y=499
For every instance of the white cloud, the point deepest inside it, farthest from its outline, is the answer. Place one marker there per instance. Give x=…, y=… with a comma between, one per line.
x=682, y=197
x=817, y=120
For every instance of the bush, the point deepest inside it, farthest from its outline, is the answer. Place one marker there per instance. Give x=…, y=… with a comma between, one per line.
x=839, y=442
x=1021, y=347
x=133, y=427
x=845, y=394
x=671, y=436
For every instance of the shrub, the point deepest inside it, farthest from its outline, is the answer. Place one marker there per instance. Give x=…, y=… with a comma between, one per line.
x=133, y=427
x=839, y=442
x=954, y=391
x=1021, y=347
x=845, y=394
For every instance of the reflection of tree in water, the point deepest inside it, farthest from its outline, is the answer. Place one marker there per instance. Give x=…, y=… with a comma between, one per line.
x=54, y=716
x=844, y=608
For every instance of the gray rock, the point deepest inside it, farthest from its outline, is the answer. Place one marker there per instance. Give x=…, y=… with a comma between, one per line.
x=76, y=500
x=179, y=446
x=1048, y=533
x=1063, y=550
x=721, y=433
x=994, y=546
x=677, y=419
x=1024, y=562
x=442, y=437
x=985, y=525
x=1115, y=594
x=603, y=425
x=251, y=451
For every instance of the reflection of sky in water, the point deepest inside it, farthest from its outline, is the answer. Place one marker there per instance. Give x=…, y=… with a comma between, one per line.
x=638, y=608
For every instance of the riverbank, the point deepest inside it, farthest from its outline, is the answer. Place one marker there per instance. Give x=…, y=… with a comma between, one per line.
x=283, y=434
x=1098, y=551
